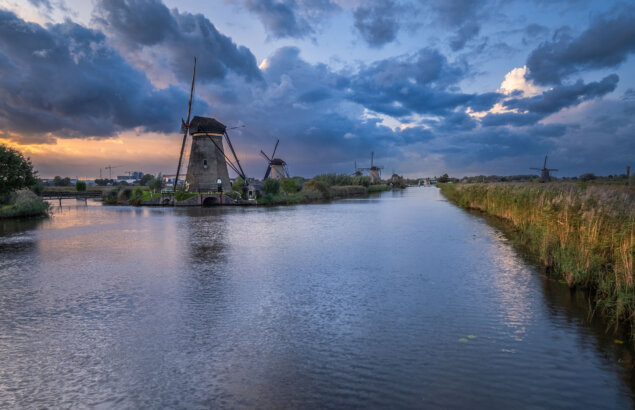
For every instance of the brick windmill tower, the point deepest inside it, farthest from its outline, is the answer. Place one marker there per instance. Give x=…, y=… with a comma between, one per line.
x=207, y=167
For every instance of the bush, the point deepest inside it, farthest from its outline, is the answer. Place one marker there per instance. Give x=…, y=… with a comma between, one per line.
x=124, y=195
x=110, y=197
x=272, y=186
x=289, y=185
x=238, y=185
x=24, y=203
x=80, y=186
x=38, y=188
x=318, y=186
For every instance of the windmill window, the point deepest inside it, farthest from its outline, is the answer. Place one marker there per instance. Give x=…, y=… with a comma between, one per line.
x=204, y=163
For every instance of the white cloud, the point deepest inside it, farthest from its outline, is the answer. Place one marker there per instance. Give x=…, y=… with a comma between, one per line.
x=515, y=81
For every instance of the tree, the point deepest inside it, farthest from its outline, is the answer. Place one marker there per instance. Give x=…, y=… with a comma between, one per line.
x=80, y=186
x=587, y=177
x=289, y=185
x=16, y=172
x=444, y=178
x=145, y=179
x=272, y=186
x=238, y=184
x=156, y=184
x=59, y=181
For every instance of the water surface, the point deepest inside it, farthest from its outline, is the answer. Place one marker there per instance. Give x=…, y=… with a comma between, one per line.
x=400, y=300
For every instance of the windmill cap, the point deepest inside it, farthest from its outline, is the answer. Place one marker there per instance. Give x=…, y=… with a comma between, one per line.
x=277, y=161
x=206, y=125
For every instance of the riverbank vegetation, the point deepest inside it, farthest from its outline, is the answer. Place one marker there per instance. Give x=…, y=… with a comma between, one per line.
x=325, y=187
x=583, y=234
x=17, y=174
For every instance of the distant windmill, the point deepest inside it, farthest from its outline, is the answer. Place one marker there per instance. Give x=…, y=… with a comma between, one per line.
x=276, y=167
x=544, y=171
x=374, y=171
x=208, y=162
x=357, y=172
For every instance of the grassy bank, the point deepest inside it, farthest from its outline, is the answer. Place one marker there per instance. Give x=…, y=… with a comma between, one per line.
x=583, y=234
x=24, y=204
x=319, y=190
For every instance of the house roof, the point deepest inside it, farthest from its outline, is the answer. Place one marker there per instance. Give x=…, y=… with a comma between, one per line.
x=206, y=125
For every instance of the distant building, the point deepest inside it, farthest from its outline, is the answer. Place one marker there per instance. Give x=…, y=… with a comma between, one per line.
x=168, y=179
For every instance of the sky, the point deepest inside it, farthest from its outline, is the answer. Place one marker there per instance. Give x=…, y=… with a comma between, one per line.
x=430, y=86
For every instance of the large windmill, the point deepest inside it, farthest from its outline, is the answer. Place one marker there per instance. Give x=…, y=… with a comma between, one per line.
x=276, y=167
x=544, y=171
x=374, y=171
x=207, y=167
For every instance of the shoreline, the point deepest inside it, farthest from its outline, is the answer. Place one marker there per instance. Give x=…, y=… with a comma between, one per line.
x=581, y=236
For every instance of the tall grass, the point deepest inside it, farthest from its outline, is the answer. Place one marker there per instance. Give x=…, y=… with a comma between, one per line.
x=582, y=233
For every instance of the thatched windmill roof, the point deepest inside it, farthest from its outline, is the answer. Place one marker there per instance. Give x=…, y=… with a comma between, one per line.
x=206, y=125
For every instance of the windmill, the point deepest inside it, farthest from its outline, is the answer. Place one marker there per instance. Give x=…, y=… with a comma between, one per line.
x=110, y=168
x=276, y=167
x=544, y=171
x=207, y=167
x=357, y=172
x=374, y=171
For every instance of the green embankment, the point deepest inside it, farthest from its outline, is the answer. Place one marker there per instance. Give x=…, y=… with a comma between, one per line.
x=24, y=204
x=583, y=234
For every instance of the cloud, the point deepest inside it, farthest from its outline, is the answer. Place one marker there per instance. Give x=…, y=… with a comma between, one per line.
x=378, y=22
x=563, y=96
x=290, y=18
x=417, y=83
x=42, y=3
x=64, y=80
x=516, y=82
x=465, y=33
x=171, y=38
x=464, y=16
x=605, y=44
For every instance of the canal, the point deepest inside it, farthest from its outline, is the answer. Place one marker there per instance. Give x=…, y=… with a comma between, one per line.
x=400, y=300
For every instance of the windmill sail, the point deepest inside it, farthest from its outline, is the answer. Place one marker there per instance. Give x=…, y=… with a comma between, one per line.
x=186, y=126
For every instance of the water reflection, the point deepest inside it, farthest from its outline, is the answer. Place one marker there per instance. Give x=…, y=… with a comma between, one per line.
x=400, y=300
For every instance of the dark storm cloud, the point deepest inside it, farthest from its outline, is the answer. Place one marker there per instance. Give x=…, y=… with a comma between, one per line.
x=563, y=96
x=605, y=44
x=377, y=22
x=290, y=18
x=177, y=37
x=65, y=80
x=420, y=83
x=510, y=118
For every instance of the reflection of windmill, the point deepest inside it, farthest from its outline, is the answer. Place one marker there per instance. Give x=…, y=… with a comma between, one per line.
x=544, y=171
x=207, y=168
x=110, y=168
x=374, y=171
x=276, y=168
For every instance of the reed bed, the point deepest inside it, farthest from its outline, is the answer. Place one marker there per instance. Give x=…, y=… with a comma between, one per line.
x=584, y=234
